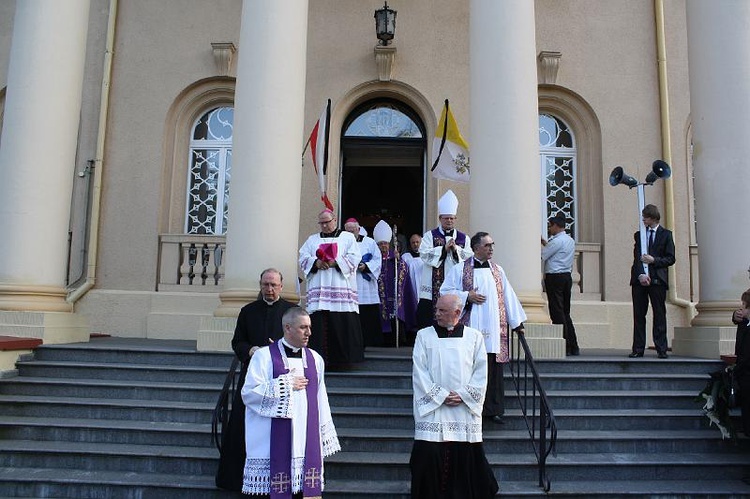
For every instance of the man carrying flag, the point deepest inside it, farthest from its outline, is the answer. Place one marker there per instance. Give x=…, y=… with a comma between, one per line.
x=449, y=150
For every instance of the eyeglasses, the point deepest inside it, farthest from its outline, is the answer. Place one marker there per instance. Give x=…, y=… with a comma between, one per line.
x=326, y=222
x=489, y=245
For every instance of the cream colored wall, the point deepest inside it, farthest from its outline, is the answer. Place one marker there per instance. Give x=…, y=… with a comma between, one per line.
x=161, y=48
x=342, y=59
x=609, y=58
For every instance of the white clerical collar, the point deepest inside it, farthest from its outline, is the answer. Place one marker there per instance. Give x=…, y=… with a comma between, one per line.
x=269, y=303
x=290, y=347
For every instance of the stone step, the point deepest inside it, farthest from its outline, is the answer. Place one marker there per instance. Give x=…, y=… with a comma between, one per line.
x=497, y=438
x=558, y=400
x=550, y=381
x=37, y=482
x=111, y=389
x=135, y=351
x=500, y=440
x=590, y=420
x=382, y=360
x=124, y=457
x=522, y=467
x=395, y=489
x=57, y=482
x=590, y=362
x=105, y=431
x=205, y=380
x=635, y=391
x=130, y=372
x=141, y=410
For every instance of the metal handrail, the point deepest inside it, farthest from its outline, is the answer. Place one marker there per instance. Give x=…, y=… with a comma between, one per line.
x=220, y=415
x=535, y=408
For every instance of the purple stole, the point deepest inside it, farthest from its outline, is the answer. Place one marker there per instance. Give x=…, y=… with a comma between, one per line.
x=281, y=436
x=468, y=285
x=438, y=273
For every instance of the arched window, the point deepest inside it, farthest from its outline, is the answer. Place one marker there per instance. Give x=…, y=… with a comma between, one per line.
x=209, y=172
x=383, y=119
x=557, y=151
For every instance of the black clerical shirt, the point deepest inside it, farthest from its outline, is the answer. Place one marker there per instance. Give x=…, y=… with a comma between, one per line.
x=456, y=332
x=258, y=321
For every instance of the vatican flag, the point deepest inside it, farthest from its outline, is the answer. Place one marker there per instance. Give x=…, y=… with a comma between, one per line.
x=449, y=150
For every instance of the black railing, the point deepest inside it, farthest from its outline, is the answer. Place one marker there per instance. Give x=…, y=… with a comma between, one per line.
x=220, y=416
x=534, y=405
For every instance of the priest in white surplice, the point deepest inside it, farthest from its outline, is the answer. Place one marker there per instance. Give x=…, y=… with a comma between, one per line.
x=290, y=429
x=329, y=261
x=449, y=380
x=491, y=306
x=441, y=249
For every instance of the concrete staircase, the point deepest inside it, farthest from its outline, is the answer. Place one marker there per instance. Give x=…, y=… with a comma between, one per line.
x=121, y=418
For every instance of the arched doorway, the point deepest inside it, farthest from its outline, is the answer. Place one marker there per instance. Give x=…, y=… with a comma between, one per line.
x=383, y=149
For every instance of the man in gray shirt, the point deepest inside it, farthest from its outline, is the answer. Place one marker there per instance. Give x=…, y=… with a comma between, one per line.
x=558, y=253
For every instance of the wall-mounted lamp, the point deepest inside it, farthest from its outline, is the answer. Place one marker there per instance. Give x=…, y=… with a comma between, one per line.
x=385, y=24
x=659, y=169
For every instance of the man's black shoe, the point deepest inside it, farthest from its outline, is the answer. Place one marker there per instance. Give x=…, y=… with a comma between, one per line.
x=633, y=355
x=662, y=355
x=575, y=351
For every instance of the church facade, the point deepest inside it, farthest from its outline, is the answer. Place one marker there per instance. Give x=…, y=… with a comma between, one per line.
x=154, y=153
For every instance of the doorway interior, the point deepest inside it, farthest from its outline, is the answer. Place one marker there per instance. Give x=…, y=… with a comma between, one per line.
x=383, y=151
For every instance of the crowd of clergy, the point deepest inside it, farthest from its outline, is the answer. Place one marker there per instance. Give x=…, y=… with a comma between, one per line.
x=444, y=294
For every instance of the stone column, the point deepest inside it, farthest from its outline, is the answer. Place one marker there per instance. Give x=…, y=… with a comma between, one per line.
x=505, y=174
x=264, y=208
x=37, y=161
x=719, y=61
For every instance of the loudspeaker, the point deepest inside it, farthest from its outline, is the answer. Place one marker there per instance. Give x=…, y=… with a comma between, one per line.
x=659, y=169
x=618, y=176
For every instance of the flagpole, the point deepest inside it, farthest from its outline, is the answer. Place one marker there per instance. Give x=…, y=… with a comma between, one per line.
x=395, y=281
x=445, y=135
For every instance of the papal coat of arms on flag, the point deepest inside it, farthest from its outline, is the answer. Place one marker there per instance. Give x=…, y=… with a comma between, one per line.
x=449, y=150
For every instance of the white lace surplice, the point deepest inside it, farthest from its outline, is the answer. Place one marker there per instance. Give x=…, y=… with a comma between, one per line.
x=442, y=365
x=266, y=398
x=333, y=289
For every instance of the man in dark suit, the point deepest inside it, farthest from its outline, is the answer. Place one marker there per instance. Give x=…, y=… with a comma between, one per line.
x=652, y=285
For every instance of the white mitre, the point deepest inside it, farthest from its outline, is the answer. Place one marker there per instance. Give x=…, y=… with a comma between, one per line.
x=448, y=204
x=382, y=232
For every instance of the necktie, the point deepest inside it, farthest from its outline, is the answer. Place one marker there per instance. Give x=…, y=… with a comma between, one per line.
x=650, y=239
